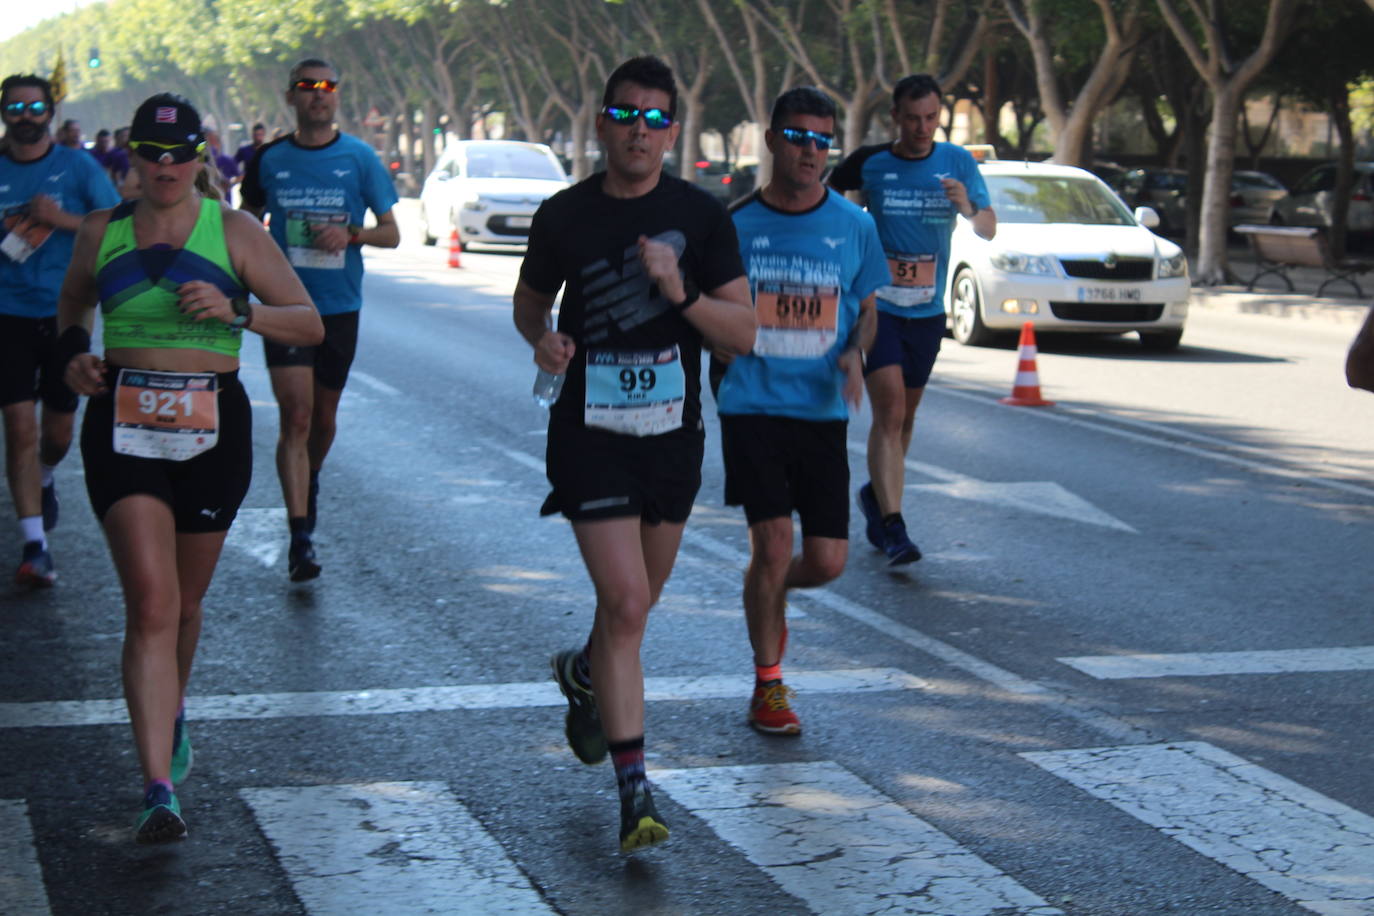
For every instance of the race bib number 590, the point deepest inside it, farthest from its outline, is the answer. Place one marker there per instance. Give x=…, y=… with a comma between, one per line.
x=798, y=321
x=169, y=415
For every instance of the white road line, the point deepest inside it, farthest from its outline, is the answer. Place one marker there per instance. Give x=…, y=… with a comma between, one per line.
x=71, y=713
x=395, y=848
x=21, y=878
x=260, y=533
x=1158, y=439
x=1205, y=664
x=828, y=838
x=1311, y=849
x=374, y=383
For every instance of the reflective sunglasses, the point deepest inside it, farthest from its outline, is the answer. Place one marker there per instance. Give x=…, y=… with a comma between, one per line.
x=17, y=109
x=654, y=118
x=798, y=137
x=167, y=153
x=316, y=85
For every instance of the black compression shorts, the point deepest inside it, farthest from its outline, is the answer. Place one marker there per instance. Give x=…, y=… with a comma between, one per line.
x=29, y=366
x=331, y=359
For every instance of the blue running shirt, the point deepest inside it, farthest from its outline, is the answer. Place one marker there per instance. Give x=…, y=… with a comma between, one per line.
x=915, y=219
x=74, y=179
x=335, y=183
x=808, y=273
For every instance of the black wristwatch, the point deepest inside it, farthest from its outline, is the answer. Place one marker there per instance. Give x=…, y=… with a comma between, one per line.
x=243, y=312
x=689, y=300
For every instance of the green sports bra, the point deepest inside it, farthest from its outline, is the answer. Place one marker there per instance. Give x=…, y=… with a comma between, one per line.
x=138, y=286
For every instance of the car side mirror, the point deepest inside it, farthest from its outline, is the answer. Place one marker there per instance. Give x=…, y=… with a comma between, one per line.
x=1147, y=217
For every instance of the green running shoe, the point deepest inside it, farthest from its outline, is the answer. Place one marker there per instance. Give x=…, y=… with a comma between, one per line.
x=640, y=824
x=160, y=821
x=182, y=755
x=583, y=723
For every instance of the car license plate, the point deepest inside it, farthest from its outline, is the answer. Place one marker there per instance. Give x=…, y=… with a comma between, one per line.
x=519, y=222
x=1108, y=294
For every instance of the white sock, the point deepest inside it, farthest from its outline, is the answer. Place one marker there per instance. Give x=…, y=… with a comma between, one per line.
x=33, y=529
x=47, y=474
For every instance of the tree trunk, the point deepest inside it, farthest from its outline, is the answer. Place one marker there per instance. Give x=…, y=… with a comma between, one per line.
x=1212, y=267
x=1345, y=172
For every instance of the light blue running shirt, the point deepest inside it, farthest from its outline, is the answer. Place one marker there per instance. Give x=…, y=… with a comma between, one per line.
x=915, y=219
x=808, y=272
x=301, y=186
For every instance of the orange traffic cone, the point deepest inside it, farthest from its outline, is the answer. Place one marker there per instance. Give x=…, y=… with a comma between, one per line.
x=454, y=247
x=1025, y=391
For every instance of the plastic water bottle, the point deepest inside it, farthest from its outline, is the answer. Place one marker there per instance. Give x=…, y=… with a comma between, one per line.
x=547, y=387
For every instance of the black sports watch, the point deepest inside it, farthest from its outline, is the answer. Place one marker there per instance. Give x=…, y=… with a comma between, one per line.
x=243, y=312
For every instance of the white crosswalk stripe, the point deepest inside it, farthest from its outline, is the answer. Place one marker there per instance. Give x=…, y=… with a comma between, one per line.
x=1211, y=664
x=829, y=838
x=21, y=880
x=1311, y=849
x=398, y=848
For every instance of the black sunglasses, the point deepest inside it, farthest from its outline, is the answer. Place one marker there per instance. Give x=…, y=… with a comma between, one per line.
x=17, y=109
x=313, y=85
x=654, y=118
x=167, y=153
x=798, y=137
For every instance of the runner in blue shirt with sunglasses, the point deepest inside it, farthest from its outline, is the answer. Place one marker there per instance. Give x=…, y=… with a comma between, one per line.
x=915, y=188
x=45, y=190
x=318, y=184
x=814, y=264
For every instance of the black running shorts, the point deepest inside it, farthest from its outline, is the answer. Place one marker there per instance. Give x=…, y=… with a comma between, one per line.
x=774, y=465
x=29, y=367
x=203, y=492
x=331, y=359
x=598, y=475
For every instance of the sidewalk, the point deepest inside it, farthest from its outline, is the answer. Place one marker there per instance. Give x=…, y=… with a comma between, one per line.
x=1339, y=305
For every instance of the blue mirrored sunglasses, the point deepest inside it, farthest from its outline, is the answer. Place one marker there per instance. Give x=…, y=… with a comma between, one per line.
x=798, y=137
x=654, y=118
x=17, y=109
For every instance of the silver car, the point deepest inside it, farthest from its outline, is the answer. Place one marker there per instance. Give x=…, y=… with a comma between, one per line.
x=1311, y=201
x=488, y=190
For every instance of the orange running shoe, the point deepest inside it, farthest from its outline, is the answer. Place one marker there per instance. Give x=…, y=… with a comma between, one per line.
x=771, y=713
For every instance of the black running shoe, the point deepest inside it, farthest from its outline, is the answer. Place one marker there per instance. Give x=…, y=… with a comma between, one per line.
x=300, y=560
x=898, y=547
x=583, y=723
x=873, y=516
x=50, y=506
x=640, y=824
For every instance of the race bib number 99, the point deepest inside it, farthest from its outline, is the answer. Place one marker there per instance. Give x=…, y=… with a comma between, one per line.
x=913, y=279
x=635, y=392
x=796, y=320
x=301, y=226
x=169, y=415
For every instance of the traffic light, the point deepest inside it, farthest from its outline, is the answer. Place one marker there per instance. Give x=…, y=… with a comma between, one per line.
x=94, y=60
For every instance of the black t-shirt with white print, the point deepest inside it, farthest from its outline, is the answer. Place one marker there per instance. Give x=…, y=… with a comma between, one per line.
x=587, y=243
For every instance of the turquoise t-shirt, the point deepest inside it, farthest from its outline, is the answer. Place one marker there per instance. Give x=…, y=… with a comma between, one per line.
x=915, y=219
x=301, y=186
x=808, y=272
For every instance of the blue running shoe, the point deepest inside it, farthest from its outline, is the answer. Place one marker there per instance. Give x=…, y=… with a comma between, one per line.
x=898, y=547
x=873, y=516
x=182, y=755
x=50, y=506
x=160, y=821
x=35, y=567
x=582, y=725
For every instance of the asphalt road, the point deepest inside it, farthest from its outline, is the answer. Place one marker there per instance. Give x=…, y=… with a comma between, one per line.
x=1131, y=675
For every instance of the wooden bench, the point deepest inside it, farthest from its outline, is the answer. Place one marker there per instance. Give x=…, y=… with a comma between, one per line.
x=1278, y=249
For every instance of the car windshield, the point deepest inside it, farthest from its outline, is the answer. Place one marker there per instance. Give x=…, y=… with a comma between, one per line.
x=1255, y=180
x=1055, y=199
x=511, y=162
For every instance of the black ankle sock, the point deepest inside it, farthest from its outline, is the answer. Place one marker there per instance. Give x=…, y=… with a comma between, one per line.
x=894, y=517
x=299, y=527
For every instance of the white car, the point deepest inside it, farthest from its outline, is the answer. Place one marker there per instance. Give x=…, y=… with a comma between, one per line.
x=488, y=190
x=1068, y=256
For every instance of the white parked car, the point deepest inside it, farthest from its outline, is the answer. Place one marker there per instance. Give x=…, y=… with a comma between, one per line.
x=1068, y=256
x=488, y=190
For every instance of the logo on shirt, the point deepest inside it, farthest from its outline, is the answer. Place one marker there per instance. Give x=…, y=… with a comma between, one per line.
x=833, y=243
x=623, y=296
x=283, y=175
x=56, y=177
x=339, y=173
x=890, y=176
x=761, y=241
x=4, y=189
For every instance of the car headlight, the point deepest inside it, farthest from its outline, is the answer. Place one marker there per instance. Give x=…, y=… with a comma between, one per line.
x=475, y=203
x=1014, y=262
x=1176, y=266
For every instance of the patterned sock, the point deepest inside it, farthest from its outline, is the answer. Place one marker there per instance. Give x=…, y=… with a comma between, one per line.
x=767, y=675
x=628, y=759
